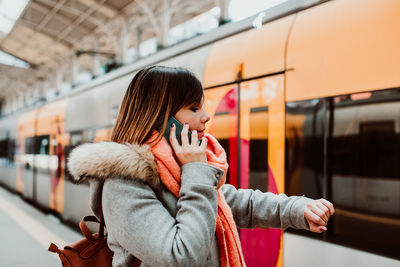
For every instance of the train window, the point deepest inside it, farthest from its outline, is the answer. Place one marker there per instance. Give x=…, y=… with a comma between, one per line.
x=37, y=145
x=357, y=168
x=42, y=144
x=304, y=148
x=11, y=150
x=4, y=149
x=259, y=149
x=304, y=153
x=363, y=169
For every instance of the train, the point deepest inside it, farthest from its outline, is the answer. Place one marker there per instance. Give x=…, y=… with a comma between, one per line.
x=308, y=104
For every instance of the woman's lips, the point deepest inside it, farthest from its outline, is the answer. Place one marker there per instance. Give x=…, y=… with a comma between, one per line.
x=200, y=134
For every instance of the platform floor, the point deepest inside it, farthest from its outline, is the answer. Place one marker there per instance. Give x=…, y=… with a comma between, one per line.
x=26, y=233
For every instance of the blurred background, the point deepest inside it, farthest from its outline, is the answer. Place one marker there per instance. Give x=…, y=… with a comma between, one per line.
x=57, y=45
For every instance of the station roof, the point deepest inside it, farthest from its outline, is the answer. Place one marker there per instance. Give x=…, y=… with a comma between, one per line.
x=48, y=32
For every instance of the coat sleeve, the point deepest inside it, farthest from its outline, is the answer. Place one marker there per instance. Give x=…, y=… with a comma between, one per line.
x=253, y=208
x=144, y=227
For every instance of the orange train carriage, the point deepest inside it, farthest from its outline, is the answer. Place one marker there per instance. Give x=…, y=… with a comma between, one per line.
x=308, y=104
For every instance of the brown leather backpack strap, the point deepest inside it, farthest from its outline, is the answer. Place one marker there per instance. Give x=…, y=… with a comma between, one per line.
x=136, y=262
x=85, y=230
x=102, y=223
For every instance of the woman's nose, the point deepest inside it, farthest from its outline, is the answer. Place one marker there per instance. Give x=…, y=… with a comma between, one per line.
x=205, y=117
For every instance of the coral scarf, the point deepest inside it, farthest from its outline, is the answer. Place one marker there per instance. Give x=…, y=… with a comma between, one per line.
x=170, y=174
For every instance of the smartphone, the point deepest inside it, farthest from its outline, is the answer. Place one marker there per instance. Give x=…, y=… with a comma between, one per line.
x=179, y=128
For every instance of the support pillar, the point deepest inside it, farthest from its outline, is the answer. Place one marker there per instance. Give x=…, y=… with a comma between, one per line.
x=5, y=106
x=39, y=93
x=14, y=103
x=30, y=97
x=161, y=26
x=35, y=94
x=124, y=44
x=224, y=14
x=45, y=88
x=25, y=99
x=96, y=63
x=74, y=70
x=138, y=42
x=20, y=100
x=165, y=21
x=58, y=80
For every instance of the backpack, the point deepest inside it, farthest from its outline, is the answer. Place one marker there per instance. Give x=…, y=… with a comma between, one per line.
x=91, y=250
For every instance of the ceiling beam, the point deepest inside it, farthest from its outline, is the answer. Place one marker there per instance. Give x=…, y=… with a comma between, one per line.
x=134, y=12
x=47, y=32
x=50, y=15
x=79, y=20
x=74, y=11
x=45, y=10
x=44, y=50
x=151, y=16
x=105, y=9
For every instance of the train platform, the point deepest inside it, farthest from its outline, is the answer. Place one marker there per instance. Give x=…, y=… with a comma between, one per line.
x=26, y=233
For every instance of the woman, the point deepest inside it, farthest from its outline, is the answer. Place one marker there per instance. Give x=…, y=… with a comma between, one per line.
x=167, y=204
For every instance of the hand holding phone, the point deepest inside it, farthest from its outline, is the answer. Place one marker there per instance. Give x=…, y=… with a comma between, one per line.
x=187, y=151
x=178, y=131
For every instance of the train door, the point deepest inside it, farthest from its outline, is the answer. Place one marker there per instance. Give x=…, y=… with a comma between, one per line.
x=254, y=141
x=40, y=155
x=222, y=105
x=51, y=139
x=25, y=146
x=262, y=125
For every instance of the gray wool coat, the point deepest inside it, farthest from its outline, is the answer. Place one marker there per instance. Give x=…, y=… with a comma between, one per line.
x=144, y=219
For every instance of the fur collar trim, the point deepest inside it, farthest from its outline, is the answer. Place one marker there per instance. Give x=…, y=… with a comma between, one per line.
x=100, y=161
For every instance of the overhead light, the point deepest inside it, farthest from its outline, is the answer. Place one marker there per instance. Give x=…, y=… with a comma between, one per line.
x=10, y=11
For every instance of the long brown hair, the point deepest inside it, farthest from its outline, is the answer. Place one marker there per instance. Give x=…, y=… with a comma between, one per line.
x=154, y=95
